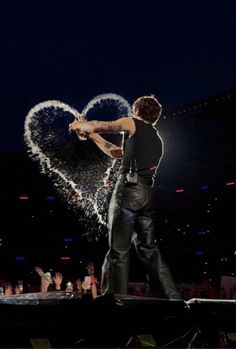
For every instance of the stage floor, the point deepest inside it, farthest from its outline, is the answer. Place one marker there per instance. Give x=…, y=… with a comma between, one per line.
x=62, y=319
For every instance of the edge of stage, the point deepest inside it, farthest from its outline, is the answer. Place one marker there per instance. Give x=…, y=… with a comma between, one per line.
x=61, y=319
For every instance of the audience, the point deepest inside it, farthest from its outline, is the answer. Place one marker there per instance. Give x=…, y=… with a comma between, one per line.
x=89, y=287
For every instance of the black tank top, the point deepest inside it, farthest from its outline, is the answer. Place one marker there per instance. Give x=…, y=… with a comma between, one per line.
x=146, y=147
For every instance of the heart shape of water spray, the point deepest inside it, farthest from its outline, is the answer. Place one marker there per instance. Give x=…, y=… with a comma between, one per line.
x=82, y=175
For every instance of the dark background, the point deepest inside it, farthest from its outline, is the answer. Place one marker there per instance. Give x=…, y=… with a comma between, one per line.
x=73, y=50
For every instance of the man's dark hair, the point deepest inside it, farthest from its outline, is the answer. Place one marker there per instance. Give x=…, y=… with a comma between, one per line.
x=148, y=108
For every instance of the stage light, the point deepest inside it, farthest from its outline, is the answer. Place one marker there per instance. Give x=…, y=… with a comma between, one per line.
x=230, y=183
x=68, y=240
x=20, y=258
x=179, y=190
x=50, y=197
x=24, y=197
x=199, y=253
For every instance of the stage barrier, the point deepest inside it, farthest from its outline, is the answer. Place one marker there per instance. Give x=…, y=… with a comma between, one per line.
x=67, y=320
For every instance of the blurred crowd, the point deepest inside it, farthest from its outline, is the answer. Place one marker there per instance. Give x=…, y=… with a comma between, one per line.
x=48, y=282
x=90, y=285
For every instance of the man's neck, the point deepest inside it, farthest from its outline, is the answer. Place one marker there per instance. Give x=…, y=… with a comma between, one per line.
x=139, y=118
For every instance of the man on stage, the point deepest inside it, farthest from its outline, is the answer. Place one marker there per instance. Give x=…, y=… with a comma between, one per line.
x=131, y=212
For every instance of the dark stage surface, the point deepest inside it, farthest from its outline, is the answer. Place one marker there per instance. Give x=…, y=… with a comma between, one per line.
x=67, y=320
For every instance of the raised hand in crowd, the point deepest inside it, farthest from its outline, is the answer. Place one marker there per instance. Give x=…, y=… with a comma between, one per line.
x=58, y=280
x=90, y=268
x=46, y=279
x=93, y=281
x=8, y=290
x=39, y=271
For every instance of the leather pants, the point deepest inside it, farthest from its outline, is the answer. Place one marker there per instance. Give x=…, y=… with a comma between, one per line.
x=131, y=219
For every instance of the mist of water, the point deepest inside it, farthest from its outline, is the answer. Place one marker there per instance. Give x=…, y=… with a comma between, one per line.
x=83, y=176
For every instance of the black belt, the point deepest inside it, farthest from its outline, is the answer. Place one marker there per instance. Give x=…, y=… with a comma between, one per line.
x=141, y=179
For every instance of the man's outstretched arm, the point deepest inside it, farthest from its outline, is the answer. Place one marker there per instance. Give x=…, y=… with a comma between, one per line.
x=108, y=148
x=125, y=124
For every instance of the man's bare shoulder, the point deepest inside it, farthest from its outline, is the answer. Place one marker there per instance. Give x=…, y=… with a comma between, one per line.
x=127, y=124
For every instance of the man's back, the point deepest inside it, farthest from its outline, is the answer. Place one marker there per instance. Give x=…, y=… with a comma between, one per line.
x=145, y=147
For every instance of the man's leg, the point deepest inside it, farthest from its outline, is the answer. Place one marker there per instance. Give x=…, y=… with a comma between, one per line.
x=149, y=254
x=115, y=269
